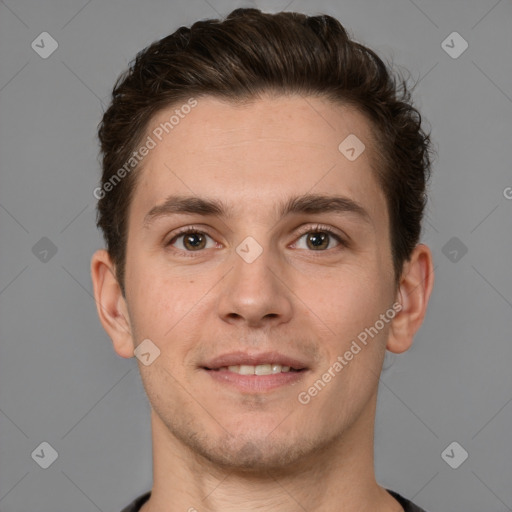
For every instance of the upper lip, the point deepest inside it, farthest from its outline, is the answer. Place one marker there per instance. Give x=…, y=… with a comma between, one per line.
x=253, y=359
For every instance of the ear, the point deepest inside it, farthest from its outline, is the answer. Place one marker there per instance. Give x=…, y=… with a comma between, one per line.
x=413, y=294
x=110, y=303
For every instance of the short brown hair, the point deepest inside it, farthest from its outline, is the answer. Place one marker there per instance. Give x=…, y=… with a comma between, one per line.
x=242, y=57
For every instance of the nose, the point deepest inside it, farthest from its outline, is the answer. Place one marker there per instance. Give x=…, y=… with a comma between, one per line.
x=255, y=294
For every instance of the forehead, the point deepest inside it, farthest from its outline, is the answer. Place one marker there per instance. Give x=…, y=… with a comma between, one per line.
x=258, y=153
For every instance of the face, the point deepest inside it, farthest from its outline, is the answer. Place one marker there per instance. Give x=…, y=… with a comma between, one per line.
x=255, y=245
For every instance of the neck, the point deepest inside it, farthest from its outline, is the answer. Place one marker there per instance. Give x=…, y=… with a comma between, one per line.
x=338, y=477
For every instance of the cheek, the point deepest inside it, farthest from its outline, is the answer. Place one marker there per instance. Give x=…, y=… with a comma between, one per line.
x=347, y=300
x=167, y=307
x=156, y=303
x=351, y=309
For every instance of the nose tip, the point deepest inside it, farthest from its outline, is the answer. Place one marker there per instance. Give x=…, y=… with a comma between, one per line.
x=252, y=294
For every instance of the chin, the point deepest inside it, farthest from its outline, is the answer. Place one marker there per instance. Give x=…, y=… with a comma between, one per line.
x=252, y=456
x=251, y=452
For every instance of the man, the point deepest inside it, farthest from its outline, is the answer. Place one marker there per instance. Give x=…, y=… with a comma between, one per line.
x=261, y=200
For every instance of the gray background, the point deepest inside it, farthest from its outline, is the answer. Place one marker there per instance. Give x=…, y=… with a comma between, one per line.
x=60, y=380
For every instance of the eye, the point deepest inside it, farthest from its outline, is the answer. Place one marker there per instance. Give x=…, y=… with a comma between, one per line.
x=192, y=241
x=318, y=240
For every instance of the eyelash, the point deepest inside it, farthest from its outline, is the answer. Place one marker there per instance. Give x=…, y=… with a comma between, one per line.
x=317, y=228
x=321, y=228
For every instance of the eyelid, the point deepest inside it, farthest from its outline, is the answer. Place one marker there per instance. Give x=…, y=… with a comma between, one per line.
x=303, y=230
x=313, y=228
x=184, y=231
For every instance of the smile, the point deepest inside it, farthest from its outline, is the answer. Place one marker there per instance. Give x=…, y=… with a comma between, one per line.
x=260, y=369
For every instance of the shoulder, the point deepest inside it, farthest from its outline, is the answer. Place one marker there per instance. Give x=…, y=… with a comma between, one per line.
x=407, y=505
x=136, y=504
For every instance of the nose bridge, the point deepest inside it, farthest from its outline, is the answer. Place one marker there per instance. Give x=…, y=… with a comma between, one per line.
x=253, y=292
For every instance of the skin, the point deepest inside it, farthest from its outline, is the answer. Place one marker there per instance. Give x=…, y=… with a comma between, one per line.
x=216, y=448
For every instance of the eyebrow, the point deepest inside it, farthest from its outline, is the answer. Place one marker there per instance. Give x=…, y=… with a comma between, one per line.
x=308, y=203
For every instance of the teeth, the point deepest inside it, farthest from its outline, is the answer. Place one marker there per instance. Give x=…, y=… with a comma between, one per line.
x=246, y=370
x=263, y=369
x=260, y=369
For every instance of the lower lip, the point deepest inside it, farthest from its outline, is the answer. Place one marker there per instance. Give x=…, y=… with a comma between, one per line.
x=256, y=383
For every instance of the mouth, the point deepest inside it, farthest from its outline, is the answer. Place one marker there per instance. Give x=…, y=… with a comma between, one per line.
x=260, y=369
x=255, y=373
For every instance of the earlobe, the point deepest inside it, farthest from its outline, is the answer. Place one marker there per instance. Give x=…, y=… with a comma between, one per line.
x=110, y=303
x=414, y=292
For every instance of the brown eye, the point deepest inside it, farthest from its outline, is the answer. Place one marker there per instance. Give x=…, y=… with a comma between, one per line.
x=192, y=241
x=318, y=241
